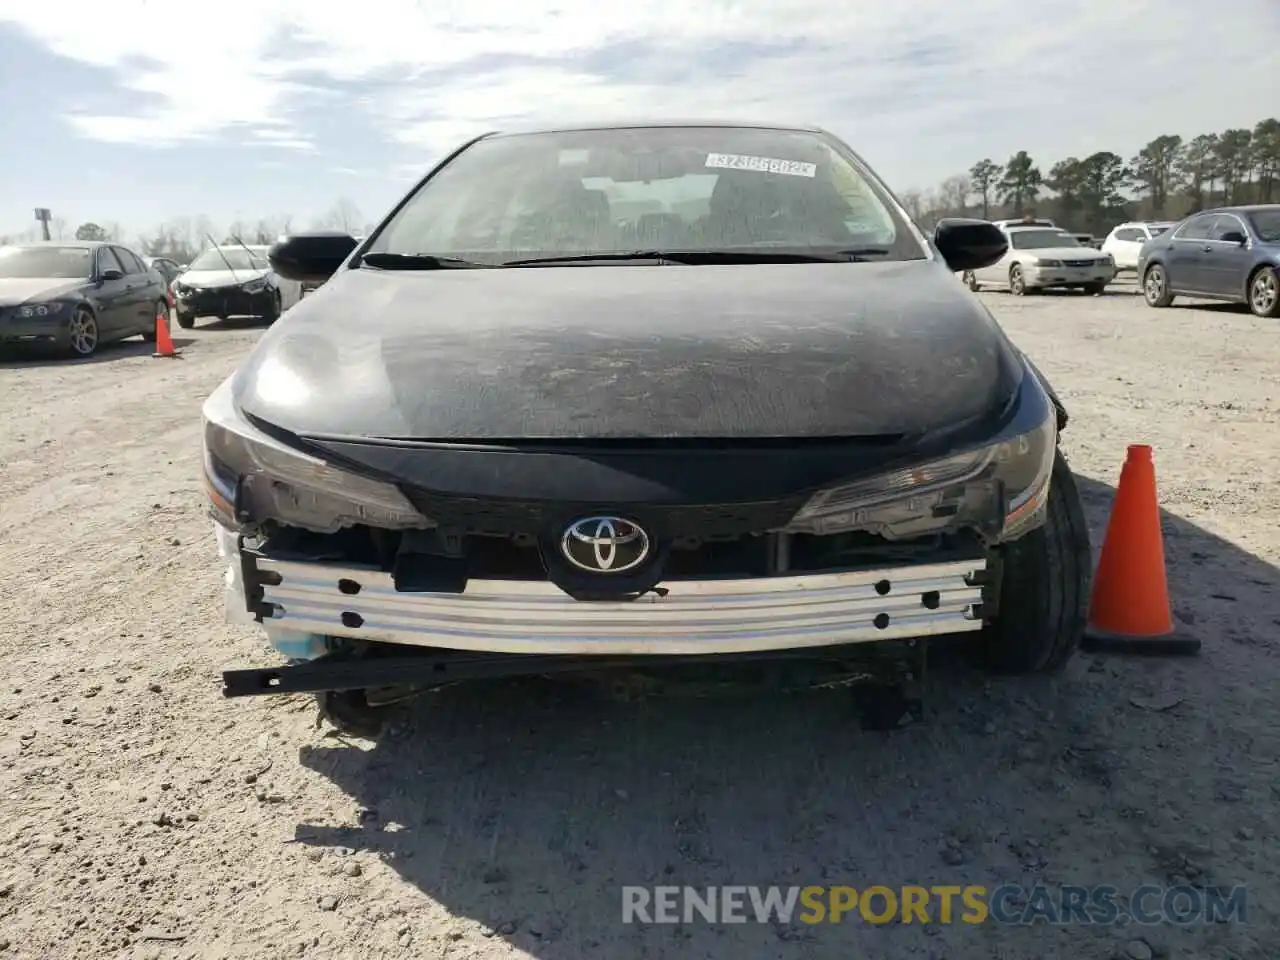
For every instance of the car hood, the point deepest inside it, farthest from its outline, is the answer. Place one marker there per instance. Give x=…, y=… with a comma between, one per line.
x=15, y=290
x=742, y=351
x=1063, y=253
x=218, y=278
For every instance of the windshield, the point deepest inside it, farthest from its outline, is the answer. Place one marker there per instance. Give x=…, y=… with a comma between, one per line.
x=238, y=257
x=617, y=191
x=71, y=263
x=1266, y=224
x=1039, y=239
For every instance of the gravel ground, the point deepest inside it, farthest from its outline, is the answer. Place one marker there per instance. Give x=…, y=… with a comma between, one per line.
x=143, y=816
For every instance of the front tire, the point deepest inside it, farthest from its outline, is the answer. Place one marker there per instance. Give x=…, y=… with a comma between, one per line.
x=83, y=335
x=351, y=714
x=970, y=281
x=1155, y=287
x=1264, y=293
x=1017, y=281
x=1044, y=590
x=186, y=320
x=1095, y=289
x=273, y=309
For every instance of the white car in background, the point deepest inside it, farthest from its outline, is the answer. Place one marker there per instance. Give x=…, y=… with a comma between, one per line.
x=229, y=281
x=1040, y=258
x=1124, y=242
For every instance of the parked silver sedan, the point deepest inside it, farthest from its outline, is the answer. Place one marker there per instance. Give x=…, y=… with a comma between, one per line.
x=1039, y=258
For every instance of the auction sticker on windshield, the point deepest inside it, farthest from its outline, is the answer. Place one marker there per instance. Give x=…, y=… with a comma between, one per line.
x=734, y=161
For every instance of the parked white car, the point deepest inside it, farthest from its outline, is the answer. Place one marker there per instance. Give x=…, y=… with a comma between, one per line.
x=1124, y=242
x=1039, y=258
x=232, y=280
x=1026, y=222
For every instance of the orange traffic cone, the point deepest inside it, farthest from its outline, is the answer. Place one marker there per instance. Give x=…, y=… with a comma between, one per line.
x=164, y=345
x=1129, y=611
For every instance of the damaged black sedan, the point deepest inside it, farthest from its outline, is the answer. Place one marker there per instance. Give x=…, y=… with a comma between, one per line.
x=625, y=395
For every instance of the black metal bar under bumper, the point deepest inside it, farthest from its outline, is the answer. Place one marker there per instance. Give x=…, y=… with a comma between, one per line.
x=426, y=670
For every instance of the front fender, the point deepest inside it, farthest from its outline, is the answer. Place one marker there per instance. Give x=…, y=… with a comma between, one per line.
x=1048, y=388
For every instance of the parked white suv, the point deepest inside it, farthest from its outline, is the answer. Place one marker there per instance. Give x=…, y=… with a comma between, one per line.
x=1124, y=242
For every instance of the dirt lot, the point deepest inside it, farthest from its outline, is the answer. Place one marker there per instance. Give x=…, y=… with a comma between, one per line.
x=143, y=816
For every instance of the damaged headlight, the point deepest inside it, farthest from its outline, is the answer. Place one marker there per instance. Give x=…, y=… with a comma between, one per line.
x=1000, y=489
x=252, y=477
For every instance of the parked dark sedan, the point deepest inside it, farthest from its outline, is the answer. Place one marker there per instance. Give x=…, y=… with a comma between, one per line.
x=1232, y=253
x=77, y=295
x=661, y=393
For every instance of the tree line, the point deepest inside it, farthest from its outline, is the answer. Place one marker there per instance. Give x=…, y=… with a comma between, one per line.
x=1167, y=179
x=182, y=238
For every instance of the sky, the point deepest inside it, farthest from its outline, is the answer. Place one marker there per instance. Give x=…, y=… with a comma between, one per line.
x=139, y=111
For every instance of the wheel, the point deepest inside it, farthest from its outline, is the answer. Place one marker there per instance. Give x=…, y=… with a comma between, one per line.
x=1095, y=289
x=1264, y=293
x=1017, y=282
x=273, y=310
x=1044, y=590
x=350, y=712
x=1155, y=287
x=186, y=320
x=82, y=332
x=970, y=281
x=161, y=310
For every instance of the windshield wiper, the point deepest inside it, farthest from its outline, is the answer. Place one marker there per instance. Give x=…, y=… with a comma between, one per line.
x=695, y=257
x=417, y=261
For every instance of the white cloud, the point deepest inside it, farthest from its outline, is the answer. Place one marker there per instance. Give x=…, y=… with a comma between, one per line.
x=987, y=77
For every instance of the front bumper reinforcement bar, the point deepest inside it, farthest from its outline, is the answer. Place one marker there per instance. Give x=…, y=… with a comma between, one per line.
x=692, y=617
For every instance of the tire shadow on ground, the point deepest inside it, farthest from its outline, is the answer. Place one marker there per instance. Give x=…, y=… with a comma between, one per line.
x=20, y=358
x=527, y=806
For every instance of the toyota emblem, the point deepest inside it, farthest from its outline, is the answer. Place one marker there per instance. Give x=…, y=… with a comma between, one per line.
x=605, y=544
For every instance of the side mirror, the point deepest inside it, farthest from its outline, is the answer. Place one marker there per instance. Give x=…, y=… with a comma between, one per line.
x=311, y=257
x=969, y=244
x=110, y=275
x=1234, y=236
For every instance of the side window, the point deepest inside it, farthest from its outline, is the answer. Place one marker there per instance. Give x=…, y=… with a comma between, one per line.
x=108, y=261
x=1225, y=224
x=1198, y=228
x=130, y=260
x=1130, y=235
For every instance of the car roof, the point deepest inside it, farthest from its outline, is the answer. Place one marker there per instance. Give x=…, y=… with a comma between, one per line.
x=1036, y=226
x=524, y=130
x=85, y=244
x=1245, y=208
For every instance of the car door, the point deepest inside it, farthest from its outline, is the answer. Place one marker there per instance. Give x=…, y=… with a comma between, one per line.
x=1227, y=261
x=998, y=272
x=111, y=295
x=1185, y=262
x=142, y=291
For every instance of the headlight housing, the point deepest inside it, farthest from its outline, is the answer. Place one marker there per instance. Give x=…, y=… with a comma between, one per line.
x=256, y=285
x=41, y=309
x=999, y=489
x=252, y=478
x=1048, y=263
